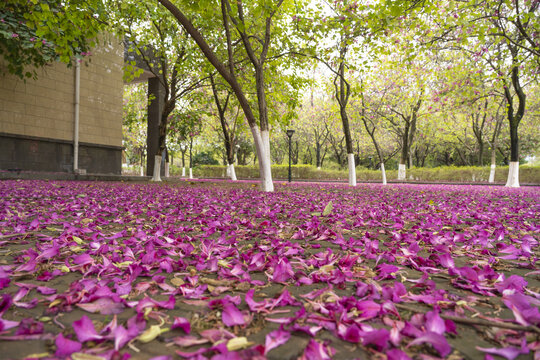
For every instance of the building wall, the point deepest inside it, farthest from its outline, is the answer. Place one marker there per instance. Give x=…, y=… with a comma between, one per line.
x=37, y=116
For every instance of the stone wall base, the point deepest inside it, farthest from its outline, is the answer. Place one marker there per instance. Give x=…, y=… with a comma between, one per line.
x=28, y=153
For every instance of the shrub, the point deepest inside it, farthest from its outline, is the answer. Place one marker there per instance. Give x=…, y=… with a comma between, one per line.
x=468, y=174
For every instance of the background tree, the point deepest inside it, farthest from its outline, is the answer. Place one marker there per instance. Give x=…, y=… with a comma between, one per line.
x=134, y=125
x=500, y=35
x=165, y=49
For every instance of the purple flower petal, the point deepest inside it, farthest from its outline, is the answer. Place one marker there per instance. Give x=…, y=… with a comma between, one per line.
x=282, y=271
x=49, y=253
x=46, y=290
x=317, y=351
x=187, y=341
x=436, y=340
x=83, y=259
x=379, y=338
x=352, y=334
x=105, y=306
x=7, y=324
x=85, y=330
x=274, y=339
x=435, y=323
x=397, y=354
x=182, y=323
x=252, y=304
x=232, y=316
x=66, y=347
x=121, y=337
x=509, y=353
x=29, y=326
x=368, y=309
x=525, y=308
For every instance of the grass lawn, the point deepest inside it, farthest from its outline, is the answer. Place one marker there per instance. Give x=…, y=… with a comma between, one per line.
x=219, y=270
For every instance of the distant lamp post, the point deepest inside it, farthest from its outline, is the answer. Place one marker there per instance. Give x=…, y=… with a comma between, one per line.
x=290, y=133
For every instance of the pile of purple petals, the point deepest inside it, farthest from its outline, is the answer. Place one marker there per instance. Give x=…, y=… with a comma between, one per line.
x=200, y=270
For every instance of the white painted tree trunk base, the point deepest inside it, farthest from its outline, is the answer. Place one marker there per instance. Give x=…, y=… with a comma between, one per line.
x=228, y=172
x=513, y=174
x=402, y=172
x=190, y=173
x=318, y=168
x=262, y=143
x=492, y=173
x=183, y=172
x=166, y=169
x=352, y=170
x=383, y=172
x=231, y=172
x=157, y=168
x=142, y=171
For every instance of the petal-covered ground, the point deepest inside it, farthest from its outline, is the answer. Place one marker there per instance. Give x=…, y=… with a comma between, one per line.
x=206, y=270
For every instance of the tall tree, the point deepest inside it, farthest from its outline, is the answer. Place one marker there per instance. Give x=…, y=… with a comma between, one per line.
x=368, y=109
x=228, y=128
x=253, y=25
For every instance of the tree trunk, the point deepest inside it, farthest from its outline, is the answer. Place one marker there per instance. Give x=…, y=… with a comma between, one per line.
x=142, y=162
x=318, y=155
x=402, y=167
x=480, y=153
x=191, y=158
x=262, y=143
x=166, y=174
x=493, y=165
x=157, y=168
x=232, y=173
x=342, y=96
x=493, y=145
x=228, y=138
x=514, y=119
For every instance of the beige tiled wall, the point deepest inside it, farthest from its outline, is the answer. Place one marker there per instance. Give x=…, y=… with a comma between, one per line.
x=45, y=107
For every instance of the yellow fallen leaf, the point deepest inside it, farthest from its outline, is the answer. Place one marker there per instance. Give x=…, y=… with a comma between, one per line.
x=150, y=334
x=327, y=268
x=328, y=209
x=177, y=282
x=55, y=302
x=83, y=356
x=78, y=240
x=37, y=356
x=224, y=264
x=123, y=264
x=238, y=343
x=64, y=268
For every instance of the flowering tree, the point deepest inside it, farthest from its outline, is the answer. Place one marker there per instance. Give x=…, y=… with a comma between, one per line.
x=502, y=36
